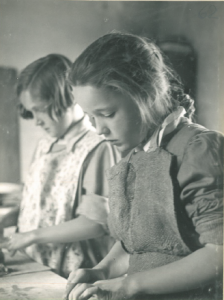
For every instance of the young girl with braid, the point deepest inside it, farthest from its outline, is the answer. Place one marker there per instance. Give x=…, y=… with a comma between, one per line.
x=166, y=193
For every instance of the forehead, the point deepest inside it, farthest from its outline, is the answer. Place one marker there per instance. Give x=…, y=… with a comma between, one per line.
x=92, y=98
x=30, y=102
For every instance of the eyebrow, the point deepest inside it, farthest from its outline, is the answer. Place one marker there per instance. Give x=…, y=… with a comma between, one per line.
x=96, y=111
x=101, y=109
x=104, y=109
x=41, y=106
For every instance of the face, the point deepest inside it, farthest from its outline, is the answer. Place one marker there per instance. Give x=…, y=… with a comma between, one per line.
x=115, y=116
x=39, y=109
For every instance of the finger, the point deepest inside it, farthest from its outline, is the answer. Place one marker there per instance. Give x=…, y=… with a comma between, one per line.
x=78, y=291
x=68, y=289
x=93, y=290
x=73, y=279
x=72, y=282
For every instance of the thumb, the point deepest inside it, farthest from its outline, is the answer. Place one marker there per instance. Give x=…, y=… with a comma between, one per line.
x=69, y=287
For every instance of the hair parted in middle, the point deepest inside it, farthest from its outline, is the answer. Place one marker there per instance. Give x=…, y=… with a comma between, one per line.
x=45, y=79
x=134, y=66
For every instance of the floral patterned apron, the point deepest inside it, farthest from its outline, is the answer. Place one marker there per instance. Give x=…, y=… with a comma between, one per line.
x=49, y=198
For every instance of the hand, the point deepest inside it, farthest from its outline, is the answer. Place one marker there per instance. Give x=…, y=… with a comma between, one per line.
x=19, y=240
x=82, y=276
x=112, y=285
x=112, y=289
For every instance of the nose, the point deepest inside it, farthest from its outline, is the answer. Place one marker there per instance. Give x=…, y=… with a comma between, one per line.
x=101, y=128
x=38, y=121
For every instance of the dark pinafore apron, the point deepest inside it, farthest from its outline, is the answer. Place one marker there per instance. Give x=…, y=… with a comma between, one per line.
x=143, y=214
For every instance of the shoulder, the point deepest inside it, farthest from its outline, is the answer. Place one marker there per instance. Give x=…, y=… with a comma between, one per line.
x=104, y=153
x=43, y=146
x=90, y=140
x=199, y=152
x=100, y=159
x=212, y=140
x=205, y=150
x=194, y=137
x=43, y=143
x=205, y=142
x=102, y=146
x=100, y=151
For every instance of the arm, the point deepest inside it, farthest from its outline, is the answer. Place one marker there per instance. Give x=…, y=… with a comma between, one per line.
x=91, y=214
x=200, y=180
x=115, y=264
x=187, y=274
x=197, y=269
x=77, y=229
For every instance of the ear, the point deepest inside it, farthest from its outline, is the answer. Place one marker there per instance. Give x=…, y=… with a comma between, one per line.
x=76, y=111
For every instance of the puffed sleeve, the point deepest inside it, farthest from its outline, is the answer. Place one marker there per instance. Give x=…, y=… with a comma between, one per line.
x=201, y=180
x=94, y=202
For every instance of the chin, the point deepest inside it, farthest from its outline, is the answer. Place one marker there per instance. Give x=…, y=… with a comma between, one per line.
x=124, y=150
x=51, y=134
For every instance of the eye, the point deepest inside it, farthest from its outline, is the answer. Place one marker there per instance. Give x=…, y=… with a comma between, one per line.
x=110, y=115
x=24, y=113
x=42, y=110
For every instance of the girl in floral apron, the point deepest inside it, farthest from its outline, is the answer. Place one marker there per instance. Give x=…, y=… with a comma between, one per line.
x=62, y=220
x=166, y=193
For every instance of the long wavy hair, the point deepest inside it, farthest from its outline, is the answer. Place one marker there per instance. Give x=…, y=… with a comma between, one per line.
x=45, y=79
x=133, y=66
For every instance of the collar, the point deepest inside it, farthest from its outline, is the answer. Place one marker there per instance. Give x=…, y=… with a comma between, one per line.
x=169, y=124
x=76, y=131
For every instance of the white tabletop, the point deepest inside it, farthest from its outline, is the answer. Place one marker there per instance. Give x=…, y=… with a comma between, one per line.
x=28, y=280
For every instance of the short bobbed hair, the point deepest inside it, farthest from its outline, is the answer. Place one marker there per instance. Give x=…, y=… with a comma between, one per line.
x=45, y=79
x=135, y=67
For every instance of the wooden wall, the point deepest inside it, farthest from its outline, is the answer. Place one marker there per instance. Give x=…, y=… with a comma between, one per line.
x=9, y=128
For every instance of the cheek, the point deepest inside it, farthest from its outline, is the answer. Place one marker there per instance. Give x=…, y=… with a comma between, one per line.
x=123, y=128
x=51, y=123
x=131, y=122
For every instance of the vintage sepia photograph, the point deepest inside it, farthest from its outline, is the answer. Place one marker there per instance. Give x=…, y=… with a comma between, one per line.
x=111, y=150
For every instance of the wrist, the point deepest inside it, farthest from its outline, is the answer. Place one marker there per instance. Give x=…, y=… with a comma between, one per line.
x=35, y=236
x=132, y=286
x=101, y=273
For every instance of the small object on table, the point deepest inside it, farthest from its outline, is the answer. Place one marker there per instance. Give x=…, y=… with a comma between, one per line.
x=2, y=257
x=3, y=269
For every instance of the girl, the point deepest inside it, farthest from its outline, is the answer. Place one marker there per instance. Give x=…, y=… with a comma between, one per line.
x=65, y=194
x=166, y=194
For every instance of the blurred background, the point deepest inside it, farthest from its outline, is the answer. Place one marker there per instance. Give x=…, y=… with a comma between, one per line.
x=190, y=33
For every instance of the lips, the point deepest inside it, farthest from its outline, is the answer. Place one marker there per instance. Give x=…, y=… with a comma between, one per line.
x=114, y=142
